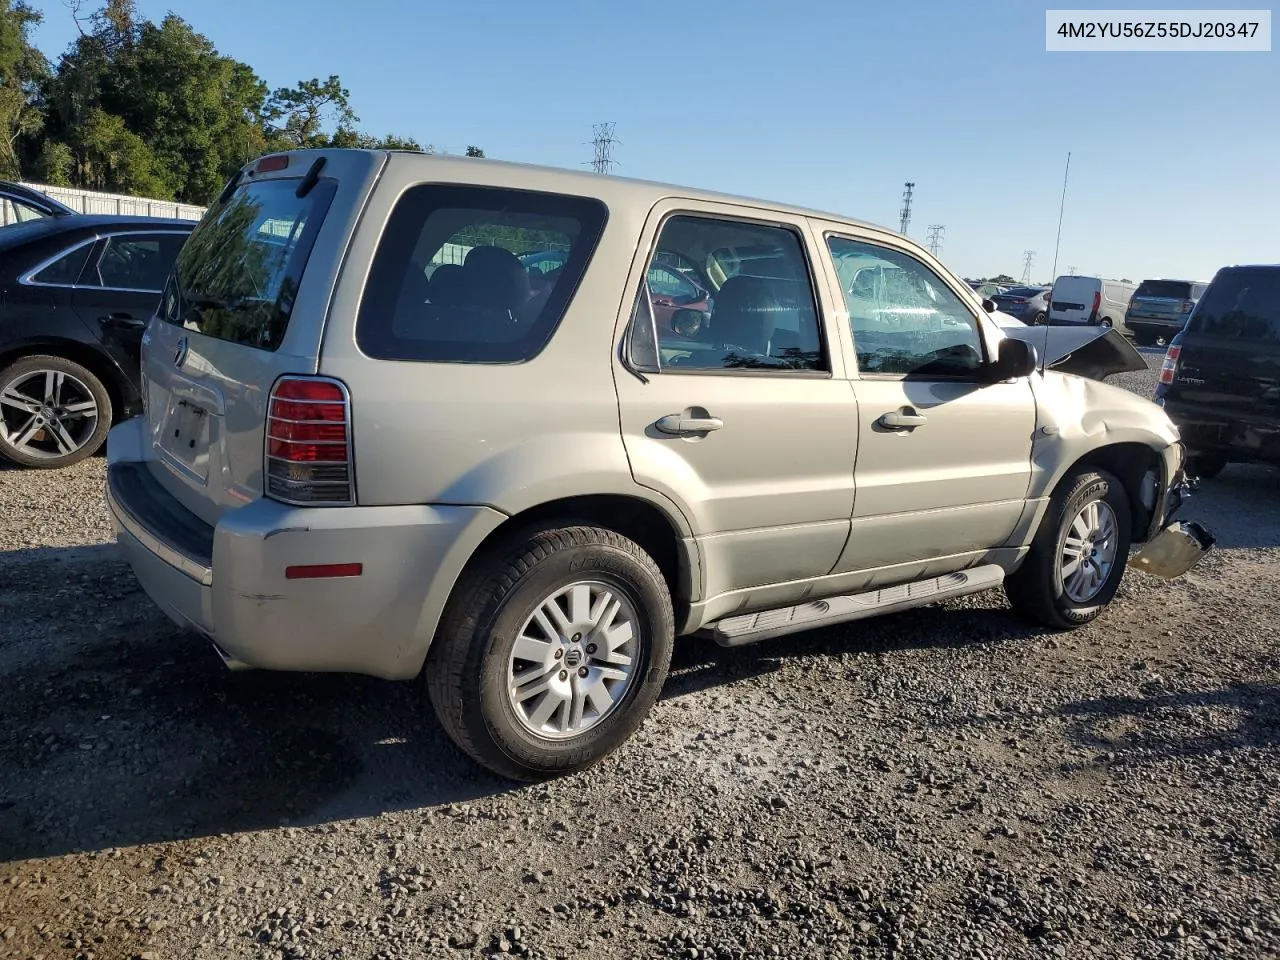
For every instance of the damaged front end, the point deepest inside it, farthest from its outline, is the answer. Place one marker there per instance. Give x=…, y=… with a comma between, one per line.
x=1093, y=352
x=1180, y=544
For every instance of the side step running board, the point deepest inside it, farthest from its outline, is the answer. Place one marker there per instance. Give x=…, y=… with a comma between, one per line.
x=752, y=627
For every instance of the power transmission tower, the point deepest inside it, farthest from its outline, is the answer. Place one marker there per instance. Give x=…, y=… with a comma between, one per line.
x=603, y=142
x=1028, y=257
x=936, y=230
x=906, y=206
x=1071, y=271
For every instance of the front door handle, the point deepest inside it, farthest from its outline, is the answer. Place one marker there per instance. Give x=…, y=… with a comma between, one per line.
x=904, y=419
x=684, y=424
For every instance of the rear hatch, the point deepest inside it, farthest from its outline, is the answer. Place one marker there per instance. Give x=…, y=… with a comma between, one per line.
x=237, y=314
x=1166, y=300
x=1230, y=358
x=1074, y=298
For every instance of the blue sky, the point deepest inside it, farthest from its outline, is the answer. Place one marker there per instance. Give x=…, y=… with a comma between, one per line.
x=830, y=105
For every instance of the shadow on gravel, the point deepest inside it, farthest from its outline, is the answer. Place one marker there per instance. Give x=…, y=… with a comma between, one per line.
x=1241, y=506
x=1177, y=725
x=701, y=664
x=116, y=729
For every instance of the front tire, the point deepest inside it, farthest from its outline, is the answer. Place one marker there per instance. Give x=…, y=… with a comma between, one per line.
x=551, y=652
x=1078, y=556
x=53, y=412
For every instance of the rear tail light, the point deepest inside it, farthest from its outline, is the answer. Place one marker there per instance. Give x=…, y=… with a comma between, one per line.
x=1097, y=302
x=308, y=447
x=1169, y=369
x=1186, y=306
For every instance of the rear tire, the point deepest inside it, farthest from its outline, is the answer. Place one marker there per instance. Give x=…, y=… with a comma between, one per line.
x=1144, y=339
x=1088, y=523
x=528, y=711
x=1105, y=323
x=53, y=412
x=1205, y=466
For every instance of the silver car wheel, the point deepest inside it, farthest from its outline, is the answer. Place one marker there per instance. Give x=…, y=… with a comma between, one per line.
x=1089, y=551
x=574, y=660
x=47, y=414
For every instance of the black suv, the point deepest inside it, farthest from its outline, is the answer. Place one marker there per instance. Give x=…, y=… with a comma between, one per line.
x=1220, y=382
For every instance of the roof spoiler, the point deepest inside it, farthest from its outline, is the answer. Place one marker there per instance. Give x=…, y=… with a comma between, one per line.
x=1092, y=352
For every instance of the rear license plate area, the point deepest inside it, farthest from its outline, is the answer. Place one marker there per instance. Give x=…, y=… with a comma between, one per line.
x=184, y=439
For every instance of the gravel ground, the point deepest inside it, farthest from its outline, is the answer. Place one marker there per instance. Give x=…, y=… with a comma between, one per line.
x=941, y=783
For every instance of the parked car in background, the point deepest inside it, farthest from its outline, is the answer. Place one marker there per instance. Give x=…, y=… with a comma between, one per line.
x=19, y=203
x=1090, y=300
x=987, y=289
x=1220, y=382
x=526, y=502
x=1159, y=309
x=1028, y=304
x=75, y=294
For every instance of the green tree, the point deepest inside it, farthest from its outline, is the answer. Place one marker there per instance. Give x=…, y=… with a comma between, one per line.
x=475, y=152
x=296, y=117
x=119, y=160
x=23, y=70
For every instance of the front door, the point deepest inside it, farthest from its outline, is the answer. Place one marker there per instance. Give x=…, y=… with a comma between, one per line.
x=743, y=418
x=944, y=457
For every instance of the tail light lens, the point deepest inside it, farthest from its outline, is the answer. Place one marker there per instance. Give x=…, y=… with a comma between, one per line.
x=1186, y=306
x=1097, y=302
x=1169, y=368
x=308, y=448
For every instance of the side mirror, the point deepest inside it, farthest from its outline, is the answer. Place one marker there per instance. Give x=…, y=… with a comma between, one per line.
x=688, y=323
x=1015, y=358
x=989, y=305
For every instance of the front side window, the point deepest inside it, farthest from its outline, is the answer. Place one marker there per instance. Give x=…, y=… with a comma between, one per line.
x=760, y=313
x=905, y=321
x=137, y=262
x=475, y=274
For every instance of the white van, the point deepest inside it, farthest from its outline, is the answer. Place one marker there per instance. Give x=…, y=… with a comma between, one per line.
x=1091, y=300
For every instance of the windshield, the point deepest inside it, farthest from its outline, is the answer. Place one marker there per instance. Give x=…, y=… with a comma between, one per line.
x=238, y=274
x=1170, y=289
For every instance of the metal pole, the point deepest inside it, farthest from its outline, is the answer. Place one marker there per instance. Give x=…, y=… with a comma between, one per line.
x=1061, y=206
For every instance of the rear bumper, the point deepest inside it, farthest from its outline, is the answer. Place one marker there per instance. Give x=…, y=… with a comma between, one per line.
x=1238, y=438
x=1162, y=324
x=234, y=591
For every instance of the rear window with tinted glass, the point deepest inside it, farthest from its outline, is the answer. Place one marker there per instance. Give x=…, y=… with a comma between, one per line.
x=238, y=273
x=1172, y=289
x=1240, y=305
x=475, y=274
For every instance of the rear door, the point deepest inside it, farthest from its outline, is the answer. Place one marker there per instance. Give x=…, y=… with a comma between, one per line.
x=120, y=288
x=236, y=314
x=748, y=423
x=1073, y=298
x=1230, y=362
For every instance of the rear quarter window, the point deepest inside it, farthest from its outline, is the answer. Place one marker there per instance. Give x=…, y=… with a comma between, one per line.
x=1240, y=305
x=475, y=274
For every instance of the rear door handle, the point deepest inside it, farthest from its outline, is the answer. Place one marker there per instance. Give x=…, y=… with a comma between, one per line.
x=682, y=425
x=904, y=419
x=123, y=320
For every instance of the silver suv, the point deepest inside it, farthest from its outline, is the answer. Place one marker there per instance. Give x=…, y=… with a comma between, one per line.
x=376, y=440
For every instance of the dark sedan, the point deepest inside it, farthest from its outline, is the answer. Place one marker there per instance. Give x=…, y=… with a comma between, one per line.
x=1028, y=304
x=77, y=294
